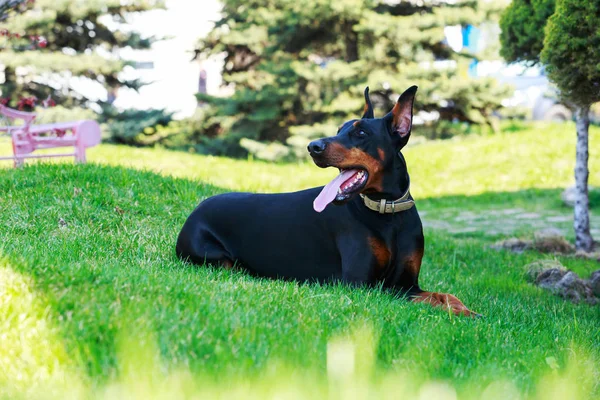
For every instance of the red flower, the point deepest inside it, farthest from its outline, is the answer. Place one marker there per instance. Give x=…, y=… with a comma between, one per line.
x=60, y=132
x=4, y=101
x=42, y=42
x=27, y=103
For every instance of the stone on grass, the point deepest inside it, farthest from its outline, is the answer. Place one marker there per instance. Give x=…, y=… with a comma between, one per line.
x=587, y=256
x=551, y=241
x=513, y=244
x=595, y=282
x=545, y=241
x=535, y=268
x=553, y=276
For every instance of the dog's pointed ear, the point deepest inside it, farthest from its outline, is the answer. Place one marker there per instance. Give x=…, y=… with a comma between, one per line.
x=400, y=118
x=368, y=111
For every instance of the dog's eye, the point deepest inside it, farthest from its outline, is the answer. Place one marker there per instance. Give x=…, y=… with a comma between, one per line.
x=361, y=133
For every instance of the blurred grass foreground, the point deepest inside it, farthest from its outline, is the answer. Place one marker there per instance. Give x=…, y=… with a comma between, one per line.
x=41, y=367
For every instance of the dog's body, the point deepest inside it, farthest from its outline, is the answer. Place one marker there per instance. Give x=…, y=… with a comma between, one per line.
x=298, y=236
x=293, y=241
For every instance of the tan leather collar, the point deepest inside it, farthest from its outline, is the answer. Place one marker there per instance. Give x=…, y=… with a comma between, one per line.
x=384, y=206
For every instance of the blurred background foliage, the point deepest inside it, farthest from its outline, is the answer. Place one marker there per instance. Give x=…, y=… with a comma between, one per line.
x=78, y=43
x=297, y=69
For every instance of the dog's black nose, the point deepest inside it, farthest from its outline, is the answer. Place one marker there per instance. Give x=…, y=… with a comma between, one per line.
x=317, y=146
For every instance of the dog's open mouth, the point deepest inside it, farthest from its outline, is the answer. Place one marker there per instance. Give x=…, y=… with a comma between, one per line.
x=349, y=182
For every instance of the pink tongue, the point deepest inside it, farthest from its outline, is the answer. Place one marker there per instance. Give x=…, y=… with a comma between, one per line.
x=329, y=192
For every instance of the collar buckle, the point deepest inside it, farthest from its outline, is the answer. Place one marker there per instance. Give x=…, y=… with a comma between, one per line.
x=382, y=206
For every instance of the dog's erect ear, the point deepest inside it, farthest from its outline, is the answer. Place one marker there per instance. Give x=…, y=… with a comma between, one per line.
x=368, y=112
x=400, y=118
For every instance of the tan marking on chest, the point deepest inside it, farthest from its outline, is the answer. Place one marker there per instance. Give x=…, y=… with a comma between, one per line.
x=412, y=263
x=381, y=253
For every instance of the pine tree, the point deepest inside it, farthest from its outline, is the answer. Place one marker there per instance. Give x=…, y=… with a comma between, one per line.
x=299, y=66
x=75, y=42
x=8, y=7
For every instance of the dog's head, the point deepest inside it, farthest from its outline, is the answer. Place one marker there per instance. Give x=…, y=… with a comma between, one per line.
x=362, y=149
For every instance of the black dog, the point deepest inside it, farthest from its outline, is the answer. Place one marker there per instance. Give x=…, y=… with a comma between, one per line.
x=374, y=237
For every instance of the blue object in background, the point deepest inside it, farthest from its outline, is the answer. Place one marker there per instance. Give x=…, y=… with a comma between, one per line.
x=471, y=36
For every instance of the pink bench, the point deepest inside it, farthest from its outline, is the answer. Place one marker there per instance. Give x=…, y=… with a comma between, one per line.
x=26, y=137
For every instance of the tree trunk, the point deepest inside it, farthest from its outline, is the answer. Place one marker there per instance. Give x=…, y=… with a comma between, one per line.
x=581, y=220
x=351, y=42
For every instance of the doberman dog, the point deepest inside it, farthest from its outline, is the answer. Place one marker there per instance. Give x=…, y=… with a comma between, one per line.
x=372, y=235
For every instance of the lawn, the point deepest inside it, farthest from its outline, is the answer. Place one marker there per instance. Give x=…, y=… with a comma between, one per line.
x=93, y=302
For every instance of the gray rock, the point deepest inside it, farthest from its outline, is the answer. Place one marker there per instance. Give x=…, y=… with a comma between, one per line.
x=550, y=240
x=595, y=283
x=574, y=288
x=512, y=244
x=549, y=278
x=547, y=240
x=553, y=276
x=537, y=267
x=588, y=256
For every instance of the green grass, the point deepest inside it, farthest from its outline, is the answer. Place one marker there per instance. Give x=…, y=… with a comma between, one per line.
x=93, y=302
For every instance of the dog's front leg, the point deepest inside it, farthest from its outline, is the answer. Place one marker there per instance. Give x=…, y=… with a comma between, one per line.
x=362, y=258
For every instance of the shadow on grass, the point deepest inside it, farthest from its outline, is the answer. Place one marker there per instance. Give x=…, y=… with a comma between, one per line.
x=97, y=244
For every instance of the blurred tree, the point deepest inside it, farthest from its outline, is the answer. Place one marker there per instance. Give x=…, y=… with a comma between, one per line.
x=298, y=63
x=7, y=7
x=565, y=39
x=73, y=38
x=522, y=36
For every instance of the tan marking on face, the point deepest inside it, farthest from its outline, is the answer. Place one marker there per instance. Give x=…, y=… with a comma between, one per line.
x=381, y=153
x=381, y=253
x=341, y=157
x=447, y=301
x=355, y=123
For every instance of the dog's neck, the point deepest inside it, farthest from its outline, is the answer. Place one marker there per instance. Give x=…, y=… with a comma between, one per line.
x=395, y=183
